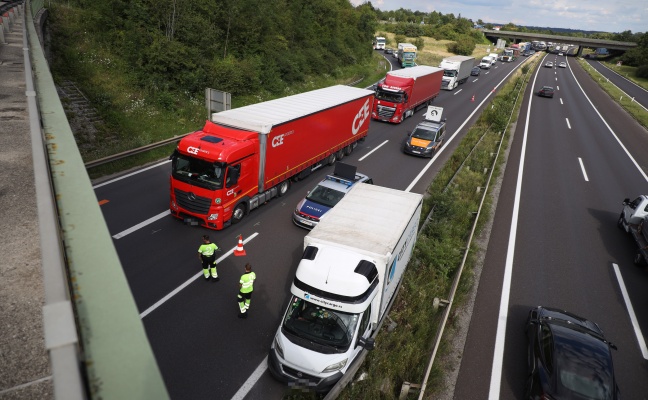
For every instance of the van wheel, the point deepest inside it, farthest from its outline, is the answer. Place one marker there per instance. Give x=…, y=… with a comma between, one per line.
x=331, y=159
x=283, y=187
x=238, y=214
x=348, y=150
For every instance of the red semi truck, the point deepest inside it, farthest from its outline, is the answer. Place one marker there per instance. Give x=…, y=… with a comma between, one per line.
x=245, y=156
x=404, y=90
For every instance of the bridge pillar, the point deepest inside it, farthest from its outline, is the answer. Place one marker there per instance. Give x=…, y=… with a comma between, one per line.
x=579, y=53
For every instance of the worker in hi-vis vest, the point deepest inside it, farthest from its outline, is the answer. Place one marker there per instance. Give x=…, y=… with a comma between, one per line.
x=245, y=292
x=207, y=256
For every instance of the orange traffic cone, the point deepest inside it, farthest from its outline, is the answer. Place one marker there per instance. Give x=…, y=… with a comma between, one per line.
x=239, y=251
x=473, y=98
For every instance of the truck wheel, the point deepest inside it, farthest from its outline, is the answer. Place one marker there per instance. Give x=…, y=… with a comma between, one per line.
x=283, y=187
x=238, y=214
x=348, y=150
x=340, y=154
x=331, y=159
x=620, y=222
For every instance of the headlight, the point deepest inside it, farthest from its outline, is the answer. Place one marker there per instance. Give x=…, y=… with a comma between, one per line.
x=174, y=205
x=278, y=348
x=212, y=217
x=336, y=366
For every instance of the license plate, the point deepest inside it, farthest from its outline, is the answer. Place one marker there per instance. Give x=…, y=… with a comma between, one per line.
x=416, y=152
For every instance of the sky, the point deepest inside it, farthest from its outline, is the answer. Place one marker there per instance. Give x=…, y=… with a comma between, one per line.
x=590, y=15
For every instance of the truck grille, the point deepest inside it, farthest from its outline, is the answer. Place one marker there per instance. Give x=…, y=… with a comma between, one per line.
x=191, y=202
x=444, y=84
x=386, y=112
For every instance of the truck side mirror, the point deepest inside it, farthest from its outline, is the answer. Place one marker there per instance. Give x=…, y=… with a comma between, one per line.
x=368, y=344
x=626, y=201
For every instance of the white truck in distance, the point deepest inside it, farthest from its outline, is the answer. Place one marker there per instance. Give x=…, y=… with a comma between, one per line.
x=346, y=280
x=456, y=70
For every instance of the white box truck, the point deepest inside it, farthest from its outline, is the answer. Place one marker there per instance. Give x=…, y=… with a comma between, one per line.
x=346, y=280
x=456, y=70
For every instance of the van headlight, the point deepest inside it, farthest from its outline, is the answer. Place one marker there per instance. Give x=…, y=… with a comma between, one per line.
x=336, y=366
x=278, y=348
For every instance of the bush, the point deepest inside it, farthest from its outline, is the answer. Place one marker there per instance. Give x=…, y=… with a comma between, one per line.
x=463, y=46
x=642, y=72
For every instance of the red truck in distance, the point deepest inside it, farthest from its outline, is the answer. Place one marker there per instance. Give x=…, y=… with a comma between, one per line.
x=405, y=90
x=245, y=156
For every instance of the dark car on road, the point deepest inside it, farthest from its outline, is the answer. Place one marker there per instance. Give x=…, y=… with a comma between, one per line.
x=568, y=358
x=475, y=71
x=546, y=91
x=389, y=51
x=425, y=139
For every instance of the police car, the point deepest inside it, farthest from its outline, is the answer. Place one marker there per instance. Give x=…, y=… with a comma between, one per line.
x=327, y=194
x=428, y=135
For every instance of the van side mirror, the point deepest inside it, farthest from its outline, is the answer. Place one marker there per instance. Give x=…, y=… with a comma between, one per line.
x=368, y=344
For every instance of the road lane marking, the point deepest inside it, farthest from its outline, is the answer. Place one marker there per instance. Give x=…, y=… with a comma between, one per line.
x=252, y=380
x=557, y=87
x=476, y=80
x=633, y=317
x=580, y=161
x=193, y=278
x=377, y=147
x=561, y=101
x=131, y=174
x=568, y=125
x=457, y=92
x=502, y=319
x=141, y=225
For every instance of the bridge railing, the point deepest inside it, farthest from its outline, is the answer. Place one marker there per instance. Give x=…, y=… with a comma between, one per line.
x=95, y=338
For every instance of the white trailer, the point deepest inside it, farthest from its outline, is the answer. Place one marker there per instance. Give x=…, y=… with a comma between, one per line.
x=352, y=265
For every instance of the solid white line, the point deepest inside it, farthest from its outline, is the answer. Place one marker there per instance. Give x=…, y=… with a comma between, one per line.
x=568, y=125
x=141, y=225
x=633, y=317
x=193, y=278
x=377, y=147
x=131, y=174
x=252, y=380
x=500, y=337
x=583, y=169
x=457, y=92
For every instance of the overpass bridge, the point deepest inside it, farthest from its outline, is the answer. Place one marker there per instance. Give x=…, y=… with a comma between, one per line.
x=544, y=37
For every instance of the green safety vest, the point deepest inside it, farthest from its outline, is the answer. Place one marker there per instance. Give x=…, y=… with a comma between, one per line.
x=247, y=280
x=207, y=250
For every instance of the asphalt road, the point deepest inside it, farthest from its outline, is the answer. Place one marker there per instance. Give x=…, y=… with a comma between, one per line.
x=632, y=89
x=554, y=240
x=202, y=348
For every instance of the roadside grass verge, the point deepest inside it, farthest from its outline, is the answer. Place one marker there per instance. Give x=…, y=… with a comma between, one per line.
x=634, y=109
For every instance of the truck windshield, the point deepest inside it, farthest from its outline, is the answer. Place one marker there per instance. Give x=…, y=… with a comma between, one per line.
x=319, y=324
x=389, y=96
x=198, y=172
x=450, y=72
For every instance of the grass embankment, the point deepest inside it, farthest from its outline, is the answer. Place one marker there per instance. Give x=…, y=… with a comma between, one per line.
x=634, y=109
x=455, y=194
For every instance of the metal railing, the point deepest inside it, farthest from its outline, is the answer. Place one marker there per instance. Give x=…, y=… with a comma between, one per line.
x=96, y=341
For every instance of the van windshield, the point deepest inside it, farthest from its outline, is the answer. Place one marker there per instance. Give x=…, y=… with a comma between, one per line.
x=320, y=324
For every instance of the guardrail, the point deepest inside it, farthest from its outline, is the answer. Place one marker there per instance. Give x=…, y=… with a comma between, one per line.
x=83, y=278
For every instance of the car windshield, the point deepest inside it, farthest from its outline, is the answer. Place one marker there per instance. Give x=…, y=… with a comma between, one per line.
x=424, y=133
x=196, y=171
x=325, y=196
x=389, y=96
x=584, y=365
x=319, y=324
